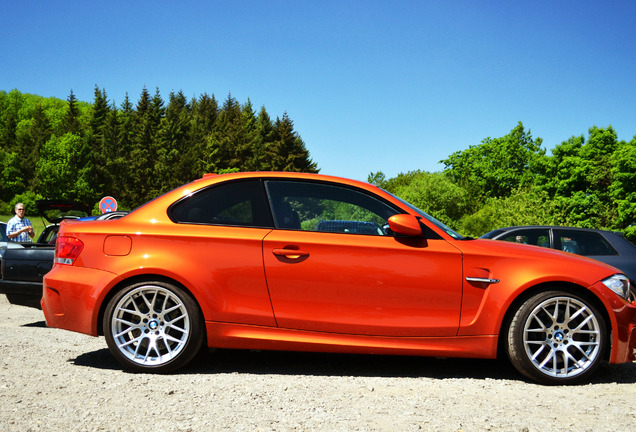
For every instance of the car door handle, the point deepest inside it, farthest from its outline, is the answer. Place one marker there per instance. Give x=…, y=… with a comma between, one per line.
x=291, y=253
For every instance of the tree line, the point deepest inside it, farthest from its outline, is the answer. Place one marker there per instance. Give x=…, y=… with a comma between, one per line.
x=52, y=148
x=585, y=182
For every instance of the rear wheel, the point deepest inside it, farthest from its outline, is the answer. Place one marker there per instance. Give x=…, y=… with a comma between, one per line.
x=557, y=337
x=153, y=327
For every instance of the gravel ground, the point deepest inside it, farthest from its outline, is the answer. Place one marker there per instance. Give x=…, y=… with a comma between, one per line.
x=53, y=380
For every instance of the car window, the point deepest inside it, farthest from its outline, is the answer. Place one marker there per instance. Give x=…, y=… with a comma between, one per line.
x=311, y=206
x=584, y=243
x=537, y=237
x=240, y=203
x=49, y=235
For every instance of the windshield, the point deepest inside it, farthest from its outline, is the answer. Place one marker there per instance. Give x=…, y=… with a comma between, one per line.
x=454, y=234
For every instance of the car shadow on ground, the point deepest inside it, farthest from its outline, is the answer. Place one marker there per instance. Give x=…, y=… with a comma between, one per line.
x=359, y=365
x=41, y=324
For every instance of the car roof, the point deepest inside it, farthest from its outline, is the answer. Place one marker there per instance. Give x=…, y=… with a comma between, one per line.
x=510, y=228
x=280, y=174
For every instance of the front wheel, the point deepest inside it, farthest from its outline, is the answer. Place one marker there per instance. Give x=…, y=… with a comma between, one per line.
x=153, y=327
x=557, y=337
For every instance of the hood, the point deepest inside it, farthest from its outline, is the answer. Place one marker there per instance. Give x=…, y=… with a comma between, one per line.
x=55, y=211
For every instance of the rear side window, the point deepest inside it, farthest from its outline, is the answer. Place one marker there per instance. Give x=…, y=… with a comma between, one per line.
x=583, y=243
x=537, y=237
x=239, y=203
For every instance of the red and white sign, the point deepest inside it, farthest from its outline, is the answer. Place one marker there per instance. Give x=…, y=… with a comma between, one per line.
x=108, y=204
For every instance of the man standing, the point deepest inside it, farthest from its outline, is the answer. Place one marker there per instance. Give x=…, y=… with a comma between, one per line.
x=19, y=228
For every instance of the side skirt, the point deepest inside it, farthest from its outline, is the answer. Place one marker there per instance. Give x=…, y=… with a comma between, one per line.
x=237, y=336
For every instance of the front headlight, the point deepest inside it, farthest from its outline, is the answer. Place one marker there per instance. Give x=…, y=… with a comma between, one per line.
x=618, y=283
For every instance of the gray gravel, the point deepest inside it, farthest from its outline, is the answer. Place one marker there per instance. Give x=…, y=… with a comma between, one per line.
x=53, y=380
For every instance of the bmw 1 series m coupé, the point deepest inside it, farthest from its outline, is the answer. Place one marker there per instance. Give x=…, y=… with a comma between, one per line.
x=307, y=262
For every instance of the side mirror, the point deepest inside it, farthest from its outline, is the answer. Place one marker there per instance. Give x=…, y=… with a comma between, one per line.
x=406, y=225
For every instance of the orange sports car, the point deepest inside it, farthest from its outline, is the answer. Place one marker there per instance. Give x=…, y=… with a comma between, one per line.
x=288, y=261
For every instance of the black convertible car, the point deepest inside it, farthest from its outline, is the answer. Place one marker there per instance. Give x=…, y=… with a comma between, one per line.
x=22, y=265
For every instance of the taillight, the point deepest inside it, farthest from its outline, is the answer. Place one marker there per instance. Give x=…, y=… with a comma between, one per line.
x=67, y=249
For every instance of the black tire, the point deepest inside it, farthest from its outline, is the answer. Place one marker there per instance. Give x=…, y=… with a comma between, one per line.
x=153, y=327
x=557, y=337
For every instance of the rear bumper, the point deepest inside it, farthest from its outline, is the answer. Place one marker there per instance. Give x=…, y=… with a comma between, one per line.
x=72, y=297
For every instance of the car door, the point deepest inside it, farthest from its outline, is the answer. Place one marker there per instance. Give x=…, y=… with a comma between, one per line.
x=219, y=240
x=332, y=266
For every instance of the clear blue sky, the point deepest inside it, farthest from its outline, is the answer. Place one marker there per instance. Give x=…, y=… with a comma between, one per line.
x=388, y=86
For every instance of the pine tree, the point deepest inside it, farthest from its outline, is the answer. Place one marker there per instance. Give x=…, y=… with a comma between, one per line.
x=289, y=149
x=204, y=113
x=141, y=165
x=120, y=163
x=125, y=119
x=101, y=148
x=248, y=150
x=99, y=112
x=221, y=144
x=112, y=162
x=71, y=122
x=171, y=143
x=265, y=129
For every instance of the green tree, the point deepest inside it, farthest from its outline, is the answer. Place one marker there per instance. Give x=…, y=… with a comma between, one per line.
x=170, y=168
x=135, y=152
x=39, y=133
x=522, y=207
x=204, y=113
x=265, y=130
x=100, y=144
x=288, y=151
x=579, y=177
x=141, y=165
x=110, y=165
x=622, y=190
x=10, y=176
x=71, y=122
x=8, y=129
x=10, y=106
x=437, y=195
x=226, y=137
x=63, y=170
x=249, y=149
x=377, y=179
x=99, y=112
x=122, y=134
x=498, y=166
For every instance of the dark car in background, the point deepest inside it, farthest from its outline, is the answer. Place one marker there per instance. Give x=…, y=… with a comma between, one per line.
x=609, y=247
x=23, y=265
